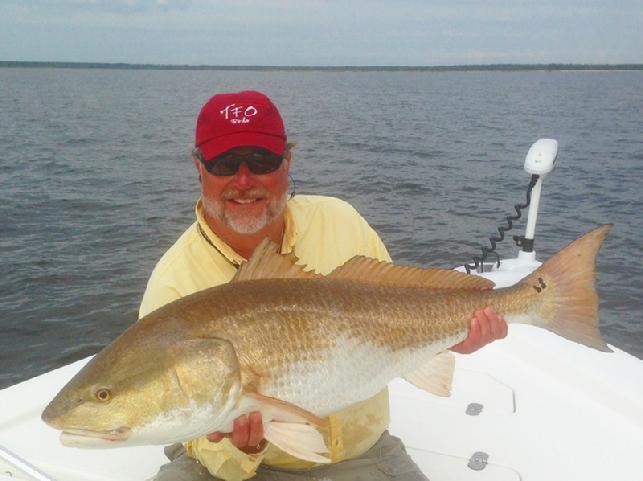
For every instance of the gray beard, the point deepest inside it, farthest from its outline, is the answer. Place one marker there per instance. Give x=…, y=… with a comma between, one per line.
x=246, y=224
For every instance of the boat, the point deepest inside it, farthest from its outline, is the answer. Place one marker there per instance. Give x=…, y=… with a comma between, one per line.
x=532, y=407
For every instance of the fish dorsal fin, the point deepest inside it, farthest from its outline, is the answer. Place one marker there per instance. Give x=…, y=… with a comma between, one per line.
x=267, y=263
x=373, y=271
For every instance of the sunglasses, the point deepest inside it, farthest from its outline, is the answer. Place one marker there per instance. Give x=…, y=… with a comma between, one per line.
x=260, y=162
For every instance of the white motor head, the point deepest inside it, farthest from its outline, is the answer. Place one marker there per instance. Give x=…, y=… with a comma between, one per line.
x=541, y=157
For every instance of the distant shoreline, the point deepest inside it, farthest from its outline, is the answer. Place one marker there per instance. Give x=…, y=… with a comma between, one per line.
x=374, y=68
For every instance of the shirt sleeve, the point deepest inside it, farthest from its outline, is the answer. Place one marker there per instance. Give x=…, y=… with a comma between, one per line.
x=375, y=245
x=365, y=240
x=156, y=295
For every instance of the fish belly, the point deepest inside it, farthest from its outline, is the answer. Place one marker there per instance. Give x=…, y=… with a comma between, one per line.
x=350, y=371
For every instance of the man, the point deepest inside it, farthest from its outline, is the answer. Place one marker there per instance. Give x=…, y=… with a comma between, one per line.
x=243, y=160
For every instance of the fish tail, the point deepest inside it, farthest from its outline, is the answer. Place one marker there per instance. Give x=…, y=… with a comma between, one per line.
x=565, y=284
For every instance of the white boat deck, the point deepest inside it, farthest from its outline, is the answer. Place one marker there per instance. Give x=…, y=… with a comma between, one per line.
x=551, y=410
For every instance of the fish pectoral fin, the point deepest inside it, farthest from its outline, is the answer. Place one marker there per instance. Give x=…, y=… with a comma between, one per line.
x=372, y=271
x=302, y=441
x=436, y=376
x=267, y=263
x=283, y=411
x=292, y=429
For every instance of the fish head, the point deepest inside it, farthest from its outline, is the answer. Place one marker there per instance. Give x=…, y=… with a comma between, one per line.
x=149, y=394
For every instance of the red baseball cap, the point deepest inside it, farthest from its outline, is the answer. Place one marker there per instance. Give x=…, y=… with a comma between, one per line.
x=239, y=119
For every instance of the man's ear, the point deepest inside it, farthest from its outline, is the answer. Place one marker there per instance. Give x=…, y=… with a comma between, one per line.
x=288, y=159
x=198, y=164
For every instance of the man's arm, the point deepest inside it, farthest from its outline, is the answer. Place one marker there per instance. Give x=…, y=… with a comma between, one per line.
x=156, y=295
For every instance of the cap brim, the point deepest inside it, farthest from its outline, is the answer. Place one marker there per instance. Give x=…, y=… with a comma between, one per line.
x=215, y=147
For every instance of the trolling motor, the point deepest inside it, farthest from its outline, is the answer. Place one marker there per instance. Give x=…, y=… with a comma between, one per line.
x=539, y=162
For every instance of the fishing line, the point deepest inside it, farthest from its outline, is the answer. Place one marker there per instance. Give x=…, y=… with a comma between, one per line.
x=293, y=186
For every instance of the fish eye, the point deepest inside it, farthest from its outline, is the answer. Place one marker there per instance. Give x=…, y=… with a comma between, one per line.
x=103, y=394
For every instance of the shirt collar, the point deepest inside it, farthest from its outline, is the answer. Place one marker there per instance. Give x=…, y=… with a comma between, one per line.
x=287, y=244
x=290, y=231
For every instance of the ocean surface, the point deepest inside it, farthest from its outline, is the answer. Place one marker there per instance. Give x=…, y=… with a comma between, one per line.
x=96, y=180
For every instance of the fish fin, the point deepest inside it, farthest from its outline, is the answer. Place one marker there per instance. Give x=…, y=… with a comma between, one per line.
x=293, y=429
x=284, y=411
x=267, y=263
x=299, y=440
x=373, y=271
x=566, y=282
x=436, y=376
x=196, y=359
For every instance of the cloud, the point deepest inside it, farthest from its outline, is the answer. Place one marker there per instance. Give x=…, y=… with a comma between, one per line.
x=327, y=32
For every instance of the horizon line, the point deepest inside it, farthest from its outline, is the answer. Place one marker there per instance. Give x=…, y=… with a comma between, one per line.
x=490, y=66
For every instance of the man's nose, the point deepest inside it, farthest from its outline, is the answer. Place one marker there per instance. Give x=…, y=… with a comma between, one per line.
x=243, y=179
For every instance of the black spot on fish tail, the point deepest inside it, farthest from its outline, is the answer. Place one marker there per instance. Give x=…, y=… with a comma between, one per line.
x=541, y=285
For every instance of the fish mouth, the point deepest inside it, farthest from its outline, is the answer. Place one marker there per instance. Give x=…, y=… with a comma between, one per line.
x=88, y=437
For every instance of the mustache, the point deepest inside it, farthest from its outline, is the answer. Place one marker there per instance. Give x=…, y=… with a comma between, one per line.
x=254, y=193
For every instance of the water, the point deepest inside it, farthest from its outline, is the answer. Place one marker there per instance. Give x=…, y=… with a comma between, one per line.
x=96, y=180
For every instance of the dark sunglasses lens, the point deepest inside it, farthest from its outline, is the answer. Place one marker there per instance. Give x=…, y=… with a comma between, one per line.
x=264, y=163
x=225, y=165
x=259, y=163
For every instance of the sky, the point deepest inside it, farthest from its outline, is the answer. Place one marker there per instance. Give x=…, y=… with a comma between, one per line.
x=322, y=32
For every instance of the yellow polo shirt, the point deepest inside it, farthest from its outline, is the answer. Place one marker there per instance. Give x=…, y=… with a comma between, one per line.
x=324, y=232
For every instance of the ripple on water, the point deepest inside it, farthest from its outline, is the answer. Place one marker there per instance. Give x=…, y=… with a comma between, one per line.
x=92, y=197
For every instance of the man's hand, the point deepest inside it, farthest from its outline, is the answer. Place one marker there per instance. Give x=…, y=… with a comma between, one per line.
x=485, y=327
x=247, y=433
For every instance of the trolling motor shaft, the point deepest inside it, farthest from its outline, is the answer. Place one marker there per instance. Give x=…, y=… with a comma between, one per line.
x=539, y=161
